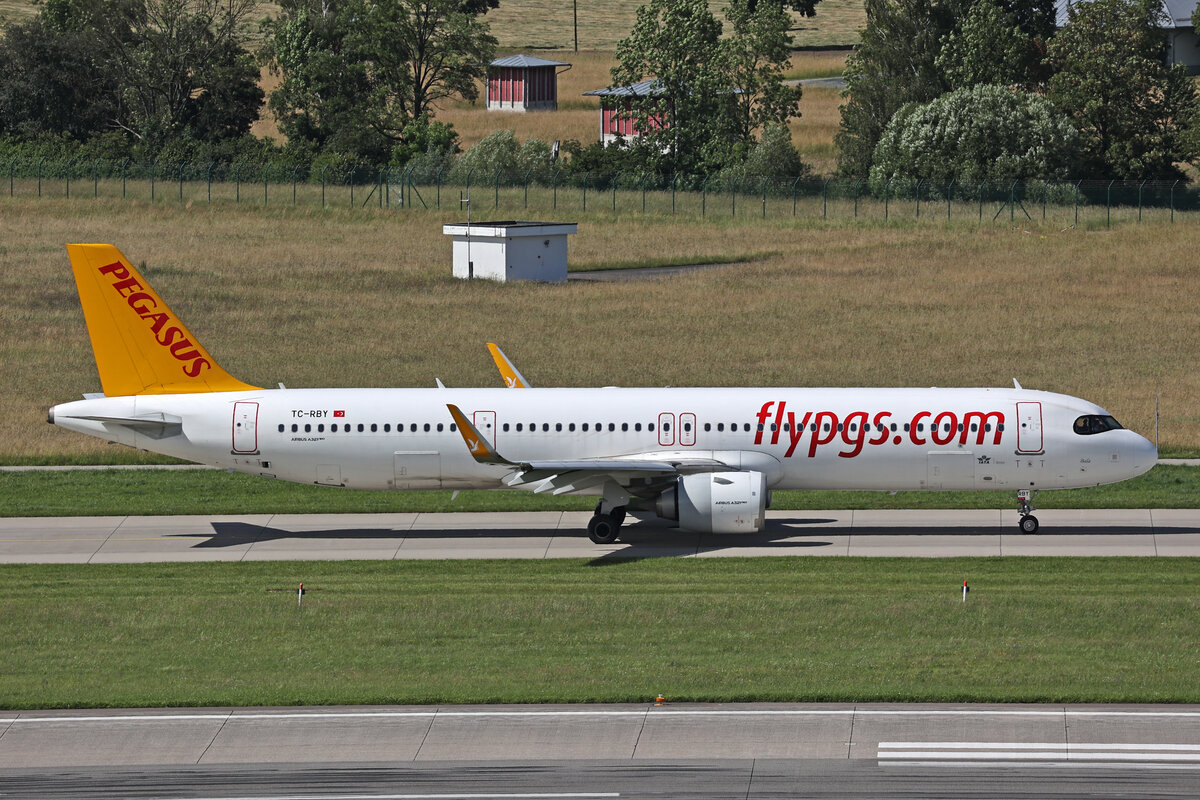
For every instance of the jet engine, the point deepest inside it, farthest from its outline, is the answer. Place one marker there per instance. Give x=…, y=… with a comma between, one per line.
x=716, y=502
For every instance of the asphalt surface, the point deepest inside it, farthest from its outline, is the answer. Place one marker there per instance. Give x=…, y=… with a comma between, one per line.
x=930, y=533
x=744, y=751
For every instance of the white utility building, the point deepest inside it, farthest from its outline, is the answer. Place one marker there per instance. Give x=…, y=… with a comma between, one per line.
x=511, y=250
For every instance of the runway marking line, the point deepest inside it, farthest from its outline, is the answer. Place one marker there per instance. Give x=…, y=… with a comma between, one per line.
x=936, y=752
x=459, y=796
x=648, y=713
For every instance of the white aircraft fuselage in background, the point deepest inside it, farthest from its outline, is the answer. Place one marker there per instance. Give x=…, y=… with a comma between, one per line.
x=705, y=457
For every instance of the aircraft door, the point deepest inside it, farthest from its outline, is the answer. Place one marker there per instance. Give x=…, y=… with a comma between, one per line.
x=666, y=432
x=245, y=427
x=485, y=423
x=1029, y=427
x=687, y=429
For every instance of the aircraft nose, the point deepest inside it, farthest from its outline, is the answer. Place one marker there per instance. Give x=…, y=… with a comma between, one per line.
x=1143, y=454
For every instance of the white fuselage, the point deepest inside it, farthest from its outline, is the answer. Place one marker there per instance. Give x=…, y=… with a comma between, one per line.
x=885, y=439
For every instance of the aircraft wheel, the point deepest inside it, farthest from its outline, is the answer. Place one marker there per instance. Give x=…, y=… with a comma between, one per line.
x=603, y=529
x=1029, y=524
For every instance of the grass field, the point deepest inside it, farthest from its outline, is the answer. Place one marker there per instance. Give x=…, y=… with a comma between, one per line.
x=364, y=298
x=135, y=492
x=778, y=629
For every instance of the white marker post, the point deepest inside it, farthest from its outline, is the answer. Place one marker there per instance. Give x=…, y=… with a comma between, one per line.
x=300, y=596
x=965, y=590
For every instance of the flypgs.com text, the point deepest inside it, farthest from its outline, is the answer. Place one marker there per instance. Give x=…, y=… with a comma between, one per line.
x=858, y=429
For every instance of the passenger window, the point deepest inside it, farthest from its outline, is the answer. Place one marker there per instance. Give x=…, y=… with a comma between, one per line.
x=637, y=426
x=624, y=426
x=720, y=427
x=374, y=428
x=687, y=426
x=518, y=427
x=650, y=426
x=321, y=428
x=281, y=427
x=707, y=427
x=308, y=428
x=504, y=427
x=558, y=426
x=413, y=427
x=295, y=427
x=387, y=427
x=453, y=427
x=571, y=427
x=546, y=427
x=440, y=427
x=360, y=427
x=426, y=427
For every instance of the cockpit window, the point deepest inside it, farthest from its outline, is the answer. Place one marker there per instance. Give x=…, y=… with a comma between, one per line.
x=1095, y=423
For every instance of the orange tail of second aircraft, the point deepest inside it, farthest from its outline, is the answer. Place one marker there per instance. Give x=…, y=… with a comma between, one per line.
x=141, y=347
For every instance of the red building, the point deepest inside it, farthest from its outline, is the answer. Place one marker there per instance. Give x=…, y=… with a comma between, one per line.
x=523, y=83
x=616, y=114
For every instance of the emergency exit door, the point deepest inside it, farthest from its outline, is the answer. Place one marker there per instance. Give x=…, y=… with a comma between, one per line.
x=245, y=427
x=1029, y=427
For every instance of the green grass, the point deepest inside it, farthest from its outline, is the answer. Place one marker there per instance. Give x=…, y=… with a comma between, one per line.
x=138, y=492
x=783, y=629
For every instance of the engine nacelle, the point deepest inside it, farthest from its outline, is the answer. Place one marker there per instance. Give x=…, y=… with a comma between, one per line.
x=716, y=502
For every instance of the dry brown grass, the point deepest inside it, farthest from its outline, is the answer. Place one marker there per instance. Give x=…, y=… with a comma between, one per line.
x=364, y=299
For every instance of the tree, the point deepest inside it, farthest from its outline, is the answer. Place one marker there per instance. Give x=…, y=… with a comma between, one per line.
x=1136, y=113
x=713, y=93
x=989, y=47
x=976, y=133
x=357, y=72
x=675, y=43
x=756, y=56
x=894, y=64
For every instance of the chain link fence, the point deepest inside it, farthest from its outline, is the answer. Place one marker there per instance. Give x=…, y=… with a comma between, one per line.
x=513, y=193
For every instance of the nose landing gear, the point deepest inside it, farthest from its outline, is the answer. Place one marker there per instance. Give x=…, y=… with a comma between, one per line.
x=1029, y=523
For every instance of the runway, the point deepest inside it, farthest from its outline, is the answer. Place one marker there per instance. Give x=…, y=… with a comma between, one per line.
x=755, y=751
x=926, y=534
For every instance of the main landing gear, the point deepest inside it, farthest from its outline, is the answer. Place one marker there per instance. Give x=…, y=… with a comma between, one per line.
x=603, y=528
x=1029, y=523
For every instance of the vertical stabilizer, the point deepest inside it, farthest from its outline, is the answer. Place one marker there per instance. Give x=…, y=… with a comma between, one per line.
x=141, y=347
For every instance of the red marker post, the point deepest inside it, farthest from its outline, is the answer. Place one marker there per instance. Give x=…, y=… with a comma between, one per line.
x=965, y=590
x=300, y=596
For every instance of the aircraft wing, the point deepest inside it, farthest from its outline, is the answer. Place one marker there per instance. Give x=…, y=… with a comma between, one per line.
x=639, y=476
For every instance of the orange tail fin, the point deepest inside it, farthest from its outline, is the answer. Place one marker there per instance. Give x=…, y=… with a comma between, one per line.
x=141, y=347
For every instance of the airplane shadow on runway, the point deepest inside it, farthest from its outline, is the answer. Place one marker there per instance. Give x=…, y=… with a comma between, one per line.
x=644, y=540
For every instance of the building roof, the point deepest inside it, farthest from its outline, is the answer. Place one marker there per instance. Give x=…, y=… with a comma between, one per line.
x=523, y=60
x=640, y=89
x=1178, y=13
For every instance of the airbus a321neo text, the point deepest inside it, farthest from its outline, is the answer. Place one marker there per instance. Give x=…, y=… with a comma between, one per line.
x=706, y=458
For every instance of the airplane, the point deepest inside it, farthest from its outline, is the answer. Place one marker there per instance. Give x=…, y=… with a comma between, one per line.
x=706, y=459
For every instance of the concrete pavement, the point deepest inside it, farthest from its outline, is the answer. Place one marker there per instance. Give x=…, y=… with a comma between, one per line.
x=929, y=533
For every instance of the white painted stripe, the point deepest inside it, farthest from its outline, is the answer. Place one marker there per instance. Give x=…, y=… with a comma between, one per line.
x=1195, y=748
x=1059, y=755
x=557, y=714
x=551, y=796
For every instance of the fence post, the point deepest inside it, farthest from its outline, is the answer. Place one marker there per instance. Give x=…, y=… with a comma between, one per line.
x=1045, y=194
x=124, y=168
x=470, y=172
x=96, y=179
x=733, y=198
x=674, y=183
x=615, y=180
x=949, y=196
x=1108, y=204
x=67, y=176
x=266, y=178
x=438, y=178
x=1173, y=185
x=554, y=187
x=764, y=198
x=887, y=190
x=981, y=185
x=211, y=166
x=182, y=167
x=795, y=188
x=1140, y=185
x=857, y=181
x=496, y=182
x=12, y=170
x=528, y=173
x=704, y=198
x=153, y=175
x=1077, y=200
x=586, y=175
x=295, y=177
x=237, y=182
x=39, y=172
x=642, y=186
x=919, y=182
x=1012, y=202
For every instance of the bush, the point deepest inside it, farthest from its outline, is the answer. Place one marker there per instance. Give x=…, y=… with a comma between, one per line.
x=978, y=133
x=501, y=151
x=773, y=156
